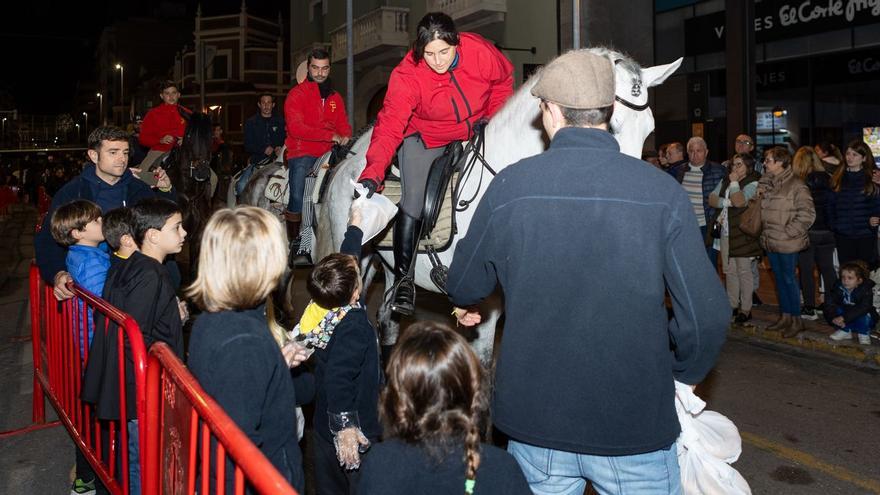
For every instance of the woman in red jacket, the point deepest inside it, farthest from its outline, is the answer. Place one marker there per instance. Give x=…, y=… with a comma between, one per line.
x=446, y=85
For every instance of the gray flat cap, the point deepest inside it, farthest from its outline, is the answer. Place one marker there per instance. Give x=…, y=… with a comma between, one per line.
x=578, y=79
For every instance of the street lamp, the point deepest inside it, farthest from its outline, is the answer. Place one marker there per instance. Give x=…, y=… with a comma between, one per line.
x=86, y=123
x=77, y=133
x=100, y=108
x=3, y=138
x=121, y=70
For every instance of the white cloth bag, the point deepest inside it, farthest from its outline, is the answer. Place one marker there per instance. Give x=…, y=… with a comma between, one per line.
x=708, y=443
x=376, y=212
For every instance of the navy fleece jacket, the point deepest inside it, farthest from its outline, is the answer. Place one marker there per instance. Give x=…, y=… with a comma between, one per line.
x=585, y=243
x=87, y=185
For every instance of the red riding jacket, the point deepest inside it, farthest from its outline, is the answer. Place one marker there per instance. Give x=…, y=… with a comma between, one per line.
x=440, y=107
x=312, y=123
x=162, y=121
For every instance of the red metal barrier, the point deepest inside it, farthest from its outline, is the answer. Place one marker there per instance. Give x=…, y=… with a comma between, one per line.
x=59, y=362
x=185, y=421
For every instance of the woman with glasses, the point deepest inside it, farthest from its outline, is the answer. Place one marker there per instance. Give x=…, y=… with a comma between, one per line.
x=787, y=212
x=738, y=249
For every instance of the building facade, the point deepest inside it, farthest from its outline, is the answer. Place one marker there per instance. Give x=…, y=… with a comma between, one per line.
x=816, y=77
x=244, y=56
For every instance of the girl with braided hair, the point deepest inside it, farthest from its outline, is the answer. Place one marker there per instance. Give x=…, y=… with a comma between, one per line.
x=432, y=410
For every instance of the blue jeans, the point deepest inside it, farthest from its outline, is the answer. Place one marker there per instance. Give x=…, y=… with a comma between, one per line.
x=787, y=290
x=297, y=170
x=861, y=325
x=134, y=459
x=559, y=472
x=244, y=178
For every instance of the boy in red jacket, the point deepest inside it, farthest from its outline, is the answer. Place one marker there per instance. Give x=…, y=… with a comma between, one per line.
x=164, y=125
x=315, y=117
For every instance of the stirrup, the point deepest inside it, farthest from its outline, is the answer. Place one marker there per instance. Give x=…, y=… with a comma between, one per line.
x=403, y=297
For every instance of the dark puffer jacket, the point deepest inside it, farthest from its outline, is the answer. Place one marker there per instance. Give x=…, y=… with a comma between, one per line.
x=819, y=184
x=850, y=209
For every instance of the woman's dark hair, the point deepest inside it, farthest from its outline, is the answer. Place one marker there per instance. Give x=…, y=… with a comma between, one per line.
x=434, y=395
x=867, y=167
x=747, y=159
x=830, y=149
x=333, y=280
x=858, y=268
x=434, y=26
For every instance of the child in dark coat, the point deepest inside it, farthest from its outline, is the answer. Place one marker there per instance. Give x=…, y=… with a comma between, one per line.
x=347, y=371
x=851, y=305
x=433, y=410
x=233, y=353
x=141, y=287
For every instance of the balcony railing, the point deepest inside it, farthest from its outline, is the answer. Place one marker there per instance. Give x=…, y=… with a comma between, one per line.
x=373, y=33
x=471, y=14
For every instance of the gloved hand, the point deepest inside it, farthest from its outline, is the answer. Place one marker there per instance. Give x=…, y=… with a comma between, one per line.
x=371, y=187
x=350, y=443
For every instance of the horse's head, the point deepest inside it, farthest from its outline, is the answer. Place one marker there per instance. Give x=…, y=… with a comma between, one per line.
x=633, y=120
x=190, y=163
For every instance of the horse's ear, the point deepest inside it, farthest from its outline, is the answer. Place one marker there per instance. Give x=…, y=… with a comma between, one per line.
x=654, y=76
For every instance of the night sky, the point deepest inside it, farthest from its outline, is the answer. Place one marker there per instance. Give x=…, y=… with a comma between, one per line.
x=46, y=46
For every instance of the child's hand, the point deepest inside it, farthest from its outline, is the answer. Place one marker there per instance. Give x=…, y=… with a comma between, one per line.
x=839, y=322
x=184, y=311
x=295, y=354
x=350, y=442
x=467, y=316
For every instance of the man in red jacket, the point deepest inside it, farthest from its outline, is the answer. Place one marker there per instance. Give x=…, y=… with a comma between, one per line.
x=164, y=125
x=315, y=119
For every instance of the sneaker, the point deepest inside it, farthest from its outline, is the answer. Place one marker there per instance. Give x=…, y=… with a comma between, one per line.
x=809, y=313
x=840, y=335
x=81, y=487
x=864, y=339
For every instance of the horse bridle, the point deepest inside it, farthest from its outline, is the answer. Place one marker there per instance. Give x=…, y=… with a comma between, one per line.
x=635, y=91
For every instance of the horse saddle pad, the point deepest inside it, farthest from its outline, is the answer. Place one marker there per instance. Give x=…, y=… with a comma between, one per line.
x=440, y=237
x=277, y=190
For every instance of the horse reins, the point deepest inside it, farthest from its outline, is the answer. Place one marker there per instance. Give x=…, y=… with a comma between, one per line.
x=477, y=146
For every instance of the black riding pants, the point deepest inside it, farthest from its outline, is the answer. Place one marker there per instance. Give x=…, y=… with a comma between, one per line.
x=415, y=162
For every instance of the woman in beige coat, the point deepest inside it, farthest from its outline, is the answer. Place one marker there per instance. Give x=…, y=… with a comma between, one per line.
x=787, y=212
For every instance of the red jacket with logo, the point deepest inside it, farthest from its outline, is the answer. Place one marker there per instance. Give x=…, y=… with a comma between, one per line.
x=312, y=123
x=440, y=107
x=164, y=120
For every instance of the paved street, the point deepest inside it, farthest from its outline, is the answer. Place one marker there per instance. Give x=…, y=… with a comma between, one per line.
x=810, y=423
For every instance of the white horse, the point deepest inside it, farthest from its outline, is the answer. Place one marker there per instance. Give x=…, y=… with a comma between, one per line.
x=514, y=133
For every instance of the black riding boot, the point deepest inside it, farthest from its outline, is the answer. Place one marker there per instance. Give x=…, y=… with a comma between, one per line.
x=406, y=233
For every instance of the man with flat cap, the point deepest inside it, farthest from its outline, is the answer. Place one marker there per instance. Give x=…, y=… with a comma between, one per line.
x=585, y=242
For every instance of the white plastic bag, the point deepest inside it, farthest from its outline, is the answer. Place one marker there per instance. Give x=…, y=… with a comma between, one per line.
x=708, y=443
x=376, y=212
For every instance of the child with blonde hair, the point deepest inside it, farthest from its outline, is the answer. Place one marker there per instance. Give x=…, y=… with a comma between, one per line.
x=233, y=352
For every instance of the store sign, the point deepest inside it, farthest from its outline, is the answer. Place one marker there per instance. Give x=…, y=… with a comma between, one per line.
x=782, y=19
